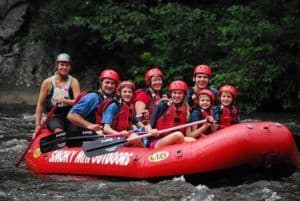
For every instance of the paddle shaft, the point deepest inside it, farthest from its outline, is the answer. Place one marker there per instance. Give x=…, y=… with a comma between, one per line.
x=107, y=145
x=20, y=159
x=169, y=129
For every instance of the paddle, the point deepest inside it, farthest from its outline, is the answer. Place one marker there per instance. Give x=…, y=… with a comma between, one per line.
x=107, y=145
x=20, y=159
x=59, y=140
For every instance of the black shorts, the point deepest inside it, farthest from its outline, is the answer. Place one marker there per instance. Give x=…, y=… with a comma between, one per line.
x=57, y=122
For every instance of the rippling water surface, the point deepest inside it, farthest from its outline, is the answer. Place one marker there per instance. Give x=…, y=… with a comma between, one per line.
x=16, y=127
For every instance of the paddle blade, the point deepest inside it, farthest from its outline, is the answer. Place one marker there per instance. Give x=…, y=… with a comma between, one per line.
x=53, y=142
x=102, y=146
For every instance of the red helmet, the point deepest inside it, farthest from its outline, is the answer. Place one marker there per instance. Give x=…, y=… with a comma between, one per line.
x=126, y=83
x=230, y=89
x=204, y=69
x=178, y=85
x=152, y=72
x=109, y=73
x=207, y=92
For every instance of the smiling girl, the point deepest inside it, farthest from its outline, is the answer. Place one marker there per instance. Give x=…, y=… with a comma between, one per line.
x=171, y=113
x=204, y=101
x=226, y=113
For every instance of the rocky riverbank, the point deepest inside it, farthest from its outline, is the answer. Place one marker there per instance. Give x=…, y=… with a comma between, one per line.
x=23, y=65
x=23, y=96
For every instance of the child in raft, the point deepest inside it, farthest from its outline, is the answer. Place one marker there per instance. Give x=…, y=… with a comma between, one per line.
x=119, y=116
x=170, y=113
x=226, y=113
x=204, y=102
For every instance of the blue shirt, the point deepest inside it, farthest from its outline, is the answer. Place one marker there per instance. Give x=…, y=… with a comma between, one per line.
x=195, y=115
x=87, y=105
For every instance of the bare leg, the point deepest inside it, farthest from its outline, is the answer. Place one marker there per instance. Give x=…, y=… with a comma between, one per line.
x=189, y=139
x=57, y=130
x=173, y=138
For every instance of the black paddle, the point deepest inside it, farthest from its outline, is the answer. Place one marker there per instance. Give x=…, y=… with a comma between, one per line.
x=59, y=140
x=53, y=142
x=108, y=145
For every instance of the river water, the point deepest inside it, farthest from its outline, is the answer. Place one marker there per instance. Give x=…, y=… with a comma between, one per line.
x=16, y=127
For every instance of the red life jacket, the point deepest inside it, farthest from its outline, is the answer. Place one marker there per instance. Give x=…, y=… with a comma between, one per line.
x=123, y=120
x=204, y=114
x=173, y=116
x=103, y=105
x=81, y=95
x=229, y=116
x=154, y=99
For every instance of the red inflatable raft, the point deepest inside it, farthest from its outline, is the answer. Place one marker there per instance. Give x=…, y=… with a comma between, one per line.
x=256, y=144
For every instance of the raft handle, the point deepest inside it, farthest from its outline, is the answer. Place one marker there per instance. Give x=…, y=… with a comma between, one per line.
x=267, y=128
x=249, y=126
x=179, y=153
x=137, y=157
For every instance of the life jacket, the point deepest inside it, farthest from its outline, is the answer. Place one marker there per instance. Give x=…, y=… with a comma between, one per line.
x=154, y=99
x=204, y=114
x=228, y=116
x=54, y=92
x=173, y=116
x=102, y=106
x=123, y=120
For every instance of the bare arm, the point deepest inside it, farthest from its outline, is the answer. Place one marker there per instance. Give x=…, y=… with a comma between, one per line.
x=78, y=120
x=140, y=109
x=197, y=132
x=107, y=129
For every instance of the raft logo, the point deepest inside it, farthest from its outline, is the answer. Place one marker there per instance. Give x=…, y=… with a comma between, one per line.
x=78, y=157
x=158, y=156
x=36, y=153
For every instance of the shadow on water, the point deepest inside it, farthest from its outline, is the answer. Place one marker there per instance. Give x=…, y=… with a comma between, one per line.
x=230, y=177
x=240, y=175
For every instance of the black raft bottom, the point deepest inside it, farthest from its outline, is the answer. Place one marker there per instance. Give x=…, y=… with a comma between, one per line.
x=228, y=177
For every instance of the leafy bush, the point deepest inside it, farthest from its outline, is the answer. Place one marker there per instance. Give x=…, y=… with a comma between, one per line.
x=248, y=45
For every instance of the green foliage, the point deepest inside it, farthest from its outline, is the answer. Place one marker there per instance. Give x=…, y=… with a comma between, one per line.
x=254, y=62
x=253, y=46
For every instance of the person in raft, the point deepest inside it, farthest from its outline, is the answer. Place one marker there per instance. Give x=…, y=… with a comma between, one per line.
x=61, y=89
x=204, y=101
x=201, y=77
x=226, y=113
x=119, y=116
x=84, y=113
x=146, y=99
x=168, y=114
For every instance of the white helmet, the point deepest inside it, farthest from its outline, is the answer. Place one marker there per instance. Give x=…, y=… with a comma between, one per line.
x=63, y=57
